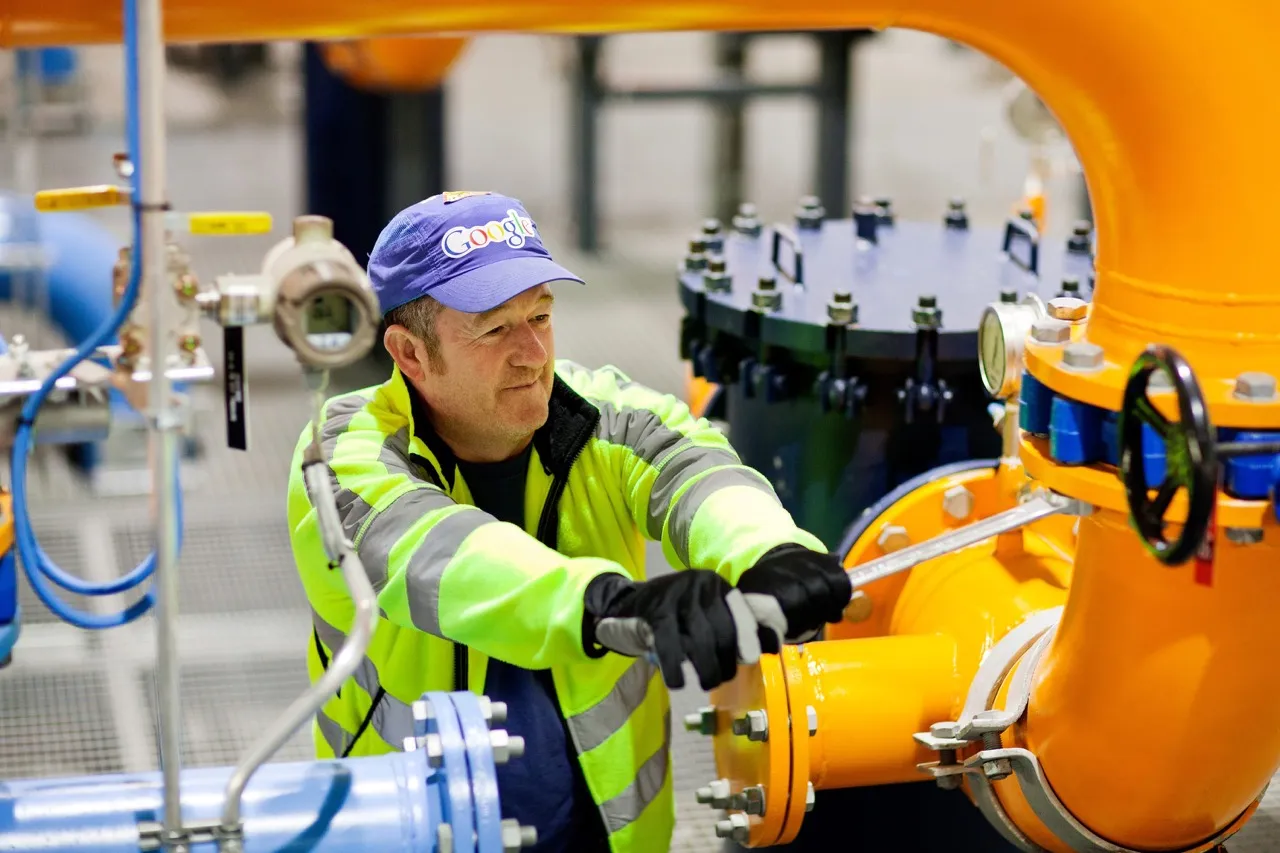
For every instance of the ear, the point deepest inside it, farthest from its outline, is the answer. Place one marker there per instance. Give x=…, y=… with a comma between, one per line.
x=407, y=351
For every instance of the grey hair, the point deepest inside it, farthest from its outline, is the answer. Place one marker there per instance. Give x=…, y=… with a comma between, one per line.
x=419, y=317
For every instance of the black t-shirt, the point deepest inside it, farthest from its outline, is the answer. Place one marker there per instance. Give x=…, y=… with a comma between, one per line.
x=544, y=788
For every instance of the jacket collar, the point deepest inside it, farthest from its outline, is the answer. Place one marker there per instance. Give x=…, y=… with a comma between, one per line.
x=571, y=421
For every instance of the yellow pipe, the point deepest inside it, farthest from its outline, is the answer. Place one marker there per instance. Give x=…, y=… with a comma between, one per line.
x=1165, y=685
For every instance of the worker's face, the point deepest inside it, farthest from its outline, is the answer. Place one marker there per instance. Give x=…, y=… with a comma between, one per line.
x=491, y=388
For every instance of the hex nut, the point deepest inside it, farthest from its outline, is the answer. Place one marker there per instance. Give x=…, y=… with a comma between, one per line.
x=515, y=836
x=893, y=537
x=842, y=313
x=958, y=502
x=715, y=794
x=756, y=726
x=809, y=798
x=505, y=746
x=701, y=721
x=753, y=799
x=997, y=770
x=859, y=607
x=435, y=750
x=1050, y=331
x=735, y=826
x=1069, y=308
x=811, y=713
x=767, y=300
x=1083, y=355
x=1255, y=385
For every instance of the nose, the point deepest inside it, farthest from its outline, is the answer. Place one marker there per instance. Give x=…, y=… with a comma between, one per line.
x=528, y=350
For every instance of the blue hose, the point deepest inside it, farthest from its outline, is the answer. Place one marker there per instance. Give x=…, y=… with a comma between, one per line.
x=37, y=565
x=868, y=517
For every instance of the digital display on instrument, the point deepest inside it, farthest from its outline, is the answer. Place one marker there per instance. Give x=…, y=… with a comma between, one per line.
x=328, y=322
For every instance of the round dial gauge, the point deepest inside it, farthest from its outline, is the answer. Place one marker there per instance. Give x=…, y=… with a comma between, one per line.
x=1002, y=336
x=991, y=352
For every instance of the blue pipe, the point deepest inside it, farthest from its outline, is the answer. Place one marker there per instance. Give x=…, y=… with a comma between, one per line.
x=388, y=803
x=79, y=278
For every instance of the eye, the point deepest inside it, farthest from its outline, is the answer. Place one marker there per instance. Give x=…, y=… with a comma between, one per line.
x=495, y=331
x=542, y=318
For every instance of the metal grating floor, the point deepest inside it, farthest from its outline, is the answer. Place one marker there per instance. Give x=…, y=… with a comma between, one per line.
x=227, y=705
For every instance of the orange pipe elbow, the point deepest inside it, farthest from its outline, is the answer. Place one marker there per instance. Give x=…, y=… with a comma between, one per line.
x=393, y=64
x=1168, y=677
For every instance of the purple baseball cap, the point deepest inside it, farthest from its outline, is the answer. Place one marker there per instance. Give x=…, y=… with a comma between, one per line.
x=472, y=251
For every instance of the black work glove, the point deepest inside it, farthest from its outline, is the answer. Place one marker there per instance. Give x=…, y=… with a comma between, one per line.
x=810, y=587
x=692, y=614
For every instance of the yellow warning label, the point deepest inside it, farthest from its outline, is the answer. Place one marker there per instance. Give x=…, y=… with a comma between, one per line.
x=461, y=194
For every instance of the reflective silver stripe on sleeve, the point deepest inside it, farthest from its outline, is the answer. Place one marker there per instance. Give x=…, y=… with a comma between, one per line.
x=354, y=510
x=688, y=462
x=681, y=525
x=386, y=529
x=333, y=734
x=392, y=719
x=638, y=429
x=427, y=564
x=626, y=807
x=598, y=723
x=679, y=461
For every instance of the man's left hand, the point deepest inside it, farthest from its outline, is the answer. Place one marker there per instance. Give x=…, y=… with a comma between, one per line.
x=811, y=589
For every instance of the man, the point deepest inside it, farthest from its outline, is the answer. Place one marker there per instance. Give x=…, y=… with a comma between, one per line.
x=499, y=500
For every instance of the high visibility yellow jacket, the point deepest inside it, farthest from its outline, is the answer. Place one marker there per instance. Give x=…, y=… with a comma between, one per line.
x=616, y=462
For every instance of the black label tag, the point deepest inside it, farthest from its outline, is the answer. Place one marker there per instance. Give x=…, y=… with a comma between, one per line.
x=236, y=387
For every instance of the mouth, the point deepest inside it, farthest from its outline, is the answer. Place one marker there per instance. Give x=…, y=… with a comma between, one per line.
x=524, y=387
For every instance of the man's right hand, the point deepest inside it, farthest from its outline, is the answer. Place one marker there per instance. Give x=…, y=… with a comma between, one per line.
x=689, y=614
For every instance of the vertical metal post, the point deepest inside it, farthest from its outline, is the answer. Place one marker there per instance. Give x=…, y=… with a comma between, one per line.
x=730, y=134
x=582, y=171
x=833, y=104
x=166, y=419
x=415, y=153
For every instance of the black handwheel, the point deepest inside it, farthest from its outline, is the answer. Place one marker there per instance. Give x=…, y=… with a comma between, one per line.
x=1190, y=456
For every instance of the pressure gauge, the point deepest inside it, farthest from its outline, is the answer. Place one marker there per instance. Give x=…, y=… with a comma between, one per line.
x=1002, y=336
x=324, y=308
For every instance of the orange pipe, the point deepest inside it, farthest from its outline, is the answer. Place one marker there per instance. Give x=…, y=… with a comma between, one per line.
x=863, y=690
x=948, y=615
x=1183, y=205
x=1165, y=684
x=393, y=64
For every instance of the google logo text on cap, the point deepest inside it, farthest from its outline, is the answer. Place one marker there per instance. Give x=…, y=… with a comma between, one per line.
x=513, y=229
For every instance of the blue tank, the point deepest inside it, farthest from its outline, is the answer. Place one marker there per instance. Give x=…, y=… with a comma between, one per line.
x=847, y=349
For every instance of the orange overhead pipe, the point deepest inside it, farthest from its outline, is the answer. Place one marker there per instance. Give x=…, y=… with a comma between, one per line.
x=405, y=64
x=1183, y=202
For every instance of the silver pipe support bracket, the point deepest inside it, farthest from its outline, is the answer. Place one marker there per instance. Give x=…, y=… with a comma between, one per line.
x=1019, y=652
x=1037, y=506
x=151, y=836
